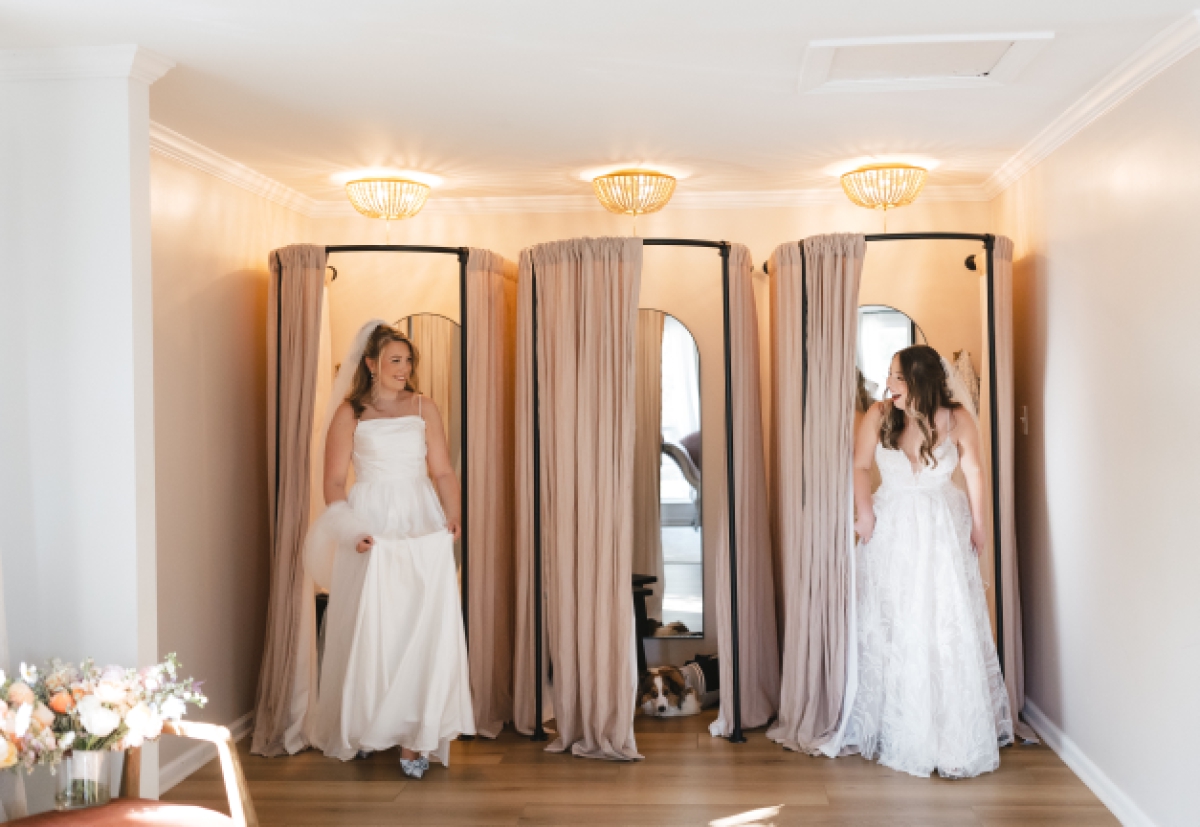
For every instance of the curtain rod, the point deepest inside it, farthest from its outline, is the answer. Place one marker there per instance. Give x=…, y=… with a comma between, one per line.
x=684, y=242
x=395, y=248
x=987, y=239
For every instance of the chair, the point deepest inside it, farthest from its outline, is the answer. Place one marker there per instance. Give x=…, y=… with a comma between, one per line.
x=128, y=809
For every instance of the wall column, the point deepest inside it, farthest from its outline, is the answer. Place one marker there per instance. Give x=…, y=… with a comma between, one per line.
x=77, y=527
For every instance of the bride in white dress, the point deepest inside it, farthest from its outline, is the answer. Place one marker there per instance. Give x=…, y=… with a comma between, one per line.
x=930, y=694
x=394, y=670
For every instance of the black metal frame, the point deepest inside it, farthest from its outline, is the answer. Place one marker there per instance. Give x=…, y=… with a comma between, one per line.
x=462, y=253
x=989, y=245
x=723, y=247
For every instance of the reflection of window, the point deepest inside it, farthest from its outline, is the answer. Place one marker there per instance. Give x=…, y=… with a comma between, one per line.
x=680, y=402
x=881, y=332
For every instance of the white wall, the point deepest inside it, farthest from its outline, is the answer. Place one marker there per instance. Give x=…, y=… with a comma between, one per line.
x=210, y=246
x=1108, y=479
x=77, y=487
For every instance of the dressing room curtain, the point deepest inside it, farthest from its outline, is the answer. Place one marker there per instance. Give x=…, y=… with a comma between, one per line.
x=758, y=637
x=814, y=300
x=1014, y=644
x=647, y=457
x=491, y=375
x=524, y=683
x=438, y=340
x=293, y=343
x=587, y=292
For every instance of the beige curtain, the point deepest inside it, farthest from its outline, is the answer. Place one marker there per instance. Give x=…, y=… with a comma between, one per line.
x=647, y=457
x=491, y=373
x=294, y=317
x=1014, y=643
x=815, y=308
x=759, y=643
x=587, y=291
x=437, y=340
x=524, y=682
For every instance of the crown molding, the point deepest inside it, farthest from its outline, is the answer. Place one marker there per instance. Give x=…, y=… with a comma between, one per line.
x=171, y=144
x=694, y=200
x=118, y=61
x=167, y=142
x=1169, y=46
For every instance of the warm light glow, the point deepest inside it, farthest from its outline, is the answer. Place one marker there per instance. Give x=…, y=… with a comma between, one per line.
x=345, y=176
x=676, y=172
x=884, y=186
x=840, y=168
x=634, y=191
x=391, y=199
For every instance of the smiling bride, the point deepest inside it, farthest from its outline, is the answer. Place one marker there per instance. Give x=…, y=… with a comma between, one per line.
x=394, y=671
x=930, y=693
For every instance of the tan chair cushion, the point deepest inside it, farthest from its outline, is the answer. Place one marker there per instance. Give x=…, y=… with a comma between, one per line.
x=131, y=812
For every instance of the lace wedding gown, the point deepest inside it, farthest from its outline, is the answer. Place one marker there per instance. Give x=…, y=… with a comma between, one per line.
x=930, y=692
x=394, y=672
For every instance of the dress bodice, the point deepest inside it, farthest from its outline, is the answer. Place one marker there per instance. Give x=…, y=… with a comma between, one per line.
x=392, y=449
x=897, y=472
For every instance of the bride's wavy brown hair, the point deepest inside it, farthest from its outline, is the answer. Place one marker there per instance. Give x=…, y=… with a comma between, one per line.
x=362, y=387
x=928, y=389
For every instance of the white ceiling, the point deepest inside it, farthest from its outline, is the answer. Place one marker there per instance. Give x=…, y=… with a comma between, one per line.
x=517, y=98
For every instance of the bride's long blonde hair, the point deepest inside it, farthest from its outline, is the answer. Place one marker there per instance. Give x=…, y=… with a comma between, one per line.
x=363, y=386
x=928, y=390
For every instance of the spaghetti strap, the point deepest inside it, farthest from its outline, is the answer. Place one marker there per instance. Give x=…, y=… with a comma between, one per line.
x=419, y=405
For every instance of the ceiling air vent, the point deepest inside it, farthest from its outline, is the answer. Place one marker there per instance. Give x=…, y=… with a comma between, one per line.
x=878, y=64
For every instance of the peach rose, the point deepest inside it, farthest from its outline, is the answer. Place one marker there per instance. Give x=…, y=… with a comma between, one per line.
x=8, y=754
x=20, y=694
x=43, y=715
x=62, y=703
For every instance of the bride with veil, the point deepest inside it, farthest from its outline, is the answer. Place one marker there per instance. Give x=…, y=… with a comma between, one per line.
x=930, y=695
x=394, y=668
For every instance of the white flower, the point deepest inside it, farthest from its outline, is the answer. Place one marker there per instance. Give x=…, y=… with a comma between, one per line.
x=96, y=718
x=67, y=739
x=173, y=709
x=110, y=693
x=28, y=673
x=144, y=723
x=21, y=725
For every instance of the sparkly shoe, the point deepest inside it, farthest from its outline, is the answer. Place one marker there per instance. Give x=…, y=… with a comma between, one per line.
x=414, y=768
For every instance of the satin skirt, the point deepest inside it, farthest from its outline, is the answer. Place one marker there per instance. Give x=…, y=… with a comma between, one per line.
x=394, y=671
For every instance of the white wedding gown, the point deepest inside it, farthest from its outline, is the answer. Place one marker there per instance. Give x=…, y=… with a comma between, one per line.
x=930, y=693
x=394, y=671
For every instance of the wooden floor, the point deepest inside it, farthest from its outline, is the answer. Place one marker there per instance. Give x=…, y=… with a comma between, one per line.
x=687, y=778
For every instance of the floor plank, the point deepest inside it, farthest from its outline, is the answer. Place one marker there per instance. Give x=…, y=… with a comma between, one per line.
x=685, y=778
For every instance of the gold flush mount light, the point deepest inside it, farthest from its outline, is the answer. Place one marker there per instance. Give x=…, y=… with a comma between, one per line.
x=391, y=199
x=634, y=191
x=884, y=186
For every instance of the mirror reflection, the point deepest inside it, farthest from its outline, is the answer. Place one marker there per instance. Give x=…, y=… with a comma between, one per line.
x=439, y=341
x=668, y=559
x=882, y=330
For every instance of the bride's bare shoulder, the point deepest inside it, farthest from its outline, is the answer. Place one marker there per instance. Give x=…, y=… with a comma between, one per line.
x=428, y=407
x=344, y=416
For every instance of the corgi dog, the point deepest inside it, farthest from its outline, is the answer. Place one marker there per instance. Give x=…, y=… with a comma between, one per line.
x=664, y=693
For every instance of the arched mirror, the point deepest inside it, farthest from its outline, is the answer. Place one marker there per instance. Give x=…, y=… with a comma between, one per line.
x=668, y=558
x=882, y=331
x=439, y=375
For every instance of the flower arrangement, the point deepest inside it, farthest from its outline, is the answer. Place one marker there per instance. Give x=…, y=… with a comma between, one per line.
x=45, y=716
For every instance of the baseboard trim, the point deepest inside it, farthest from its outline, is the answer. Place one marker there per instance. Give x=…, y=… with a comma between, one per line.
x=198, y=754
x=1112, y=796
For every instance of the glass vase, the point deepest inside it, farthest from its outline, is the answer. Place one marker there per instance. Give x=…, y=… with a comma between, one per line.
x=83, y=779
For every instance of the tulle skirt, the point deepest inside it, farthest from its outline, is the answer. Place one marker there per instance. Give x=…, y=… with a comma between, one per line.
x=930, y=693
x=394, y=671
